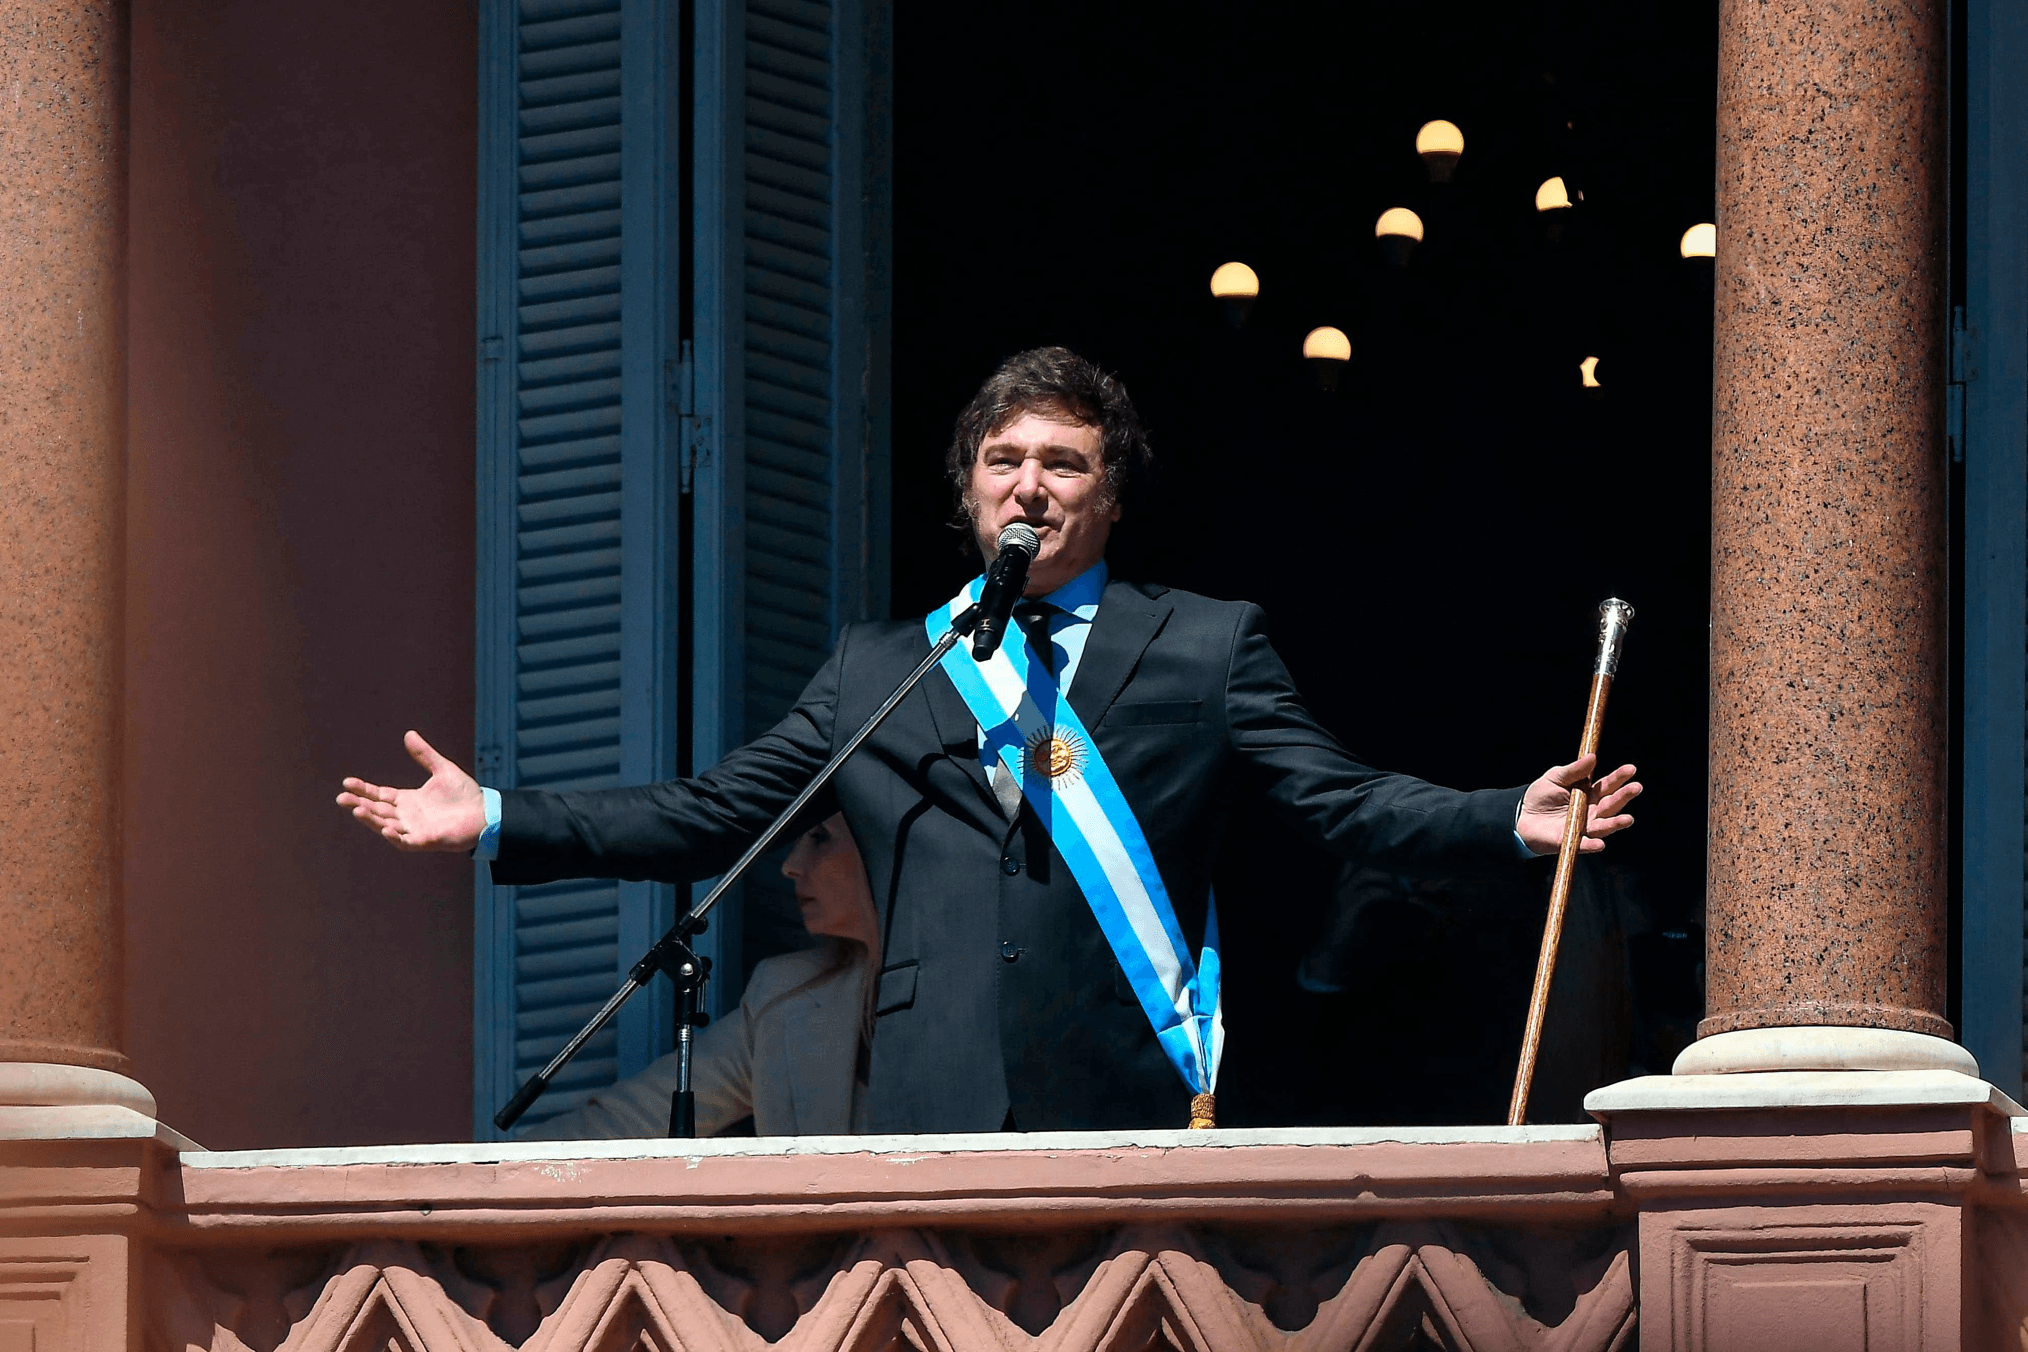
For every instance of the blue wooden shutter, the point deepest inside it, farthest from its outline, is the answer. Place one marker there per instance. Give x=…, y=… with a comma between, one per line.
x=791, y=261
x=1988, y=416
x=577, y=496
x=791, y=327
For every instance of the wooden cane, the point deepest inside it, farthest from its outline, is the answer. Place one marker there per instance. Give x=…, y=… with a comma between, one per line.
x=1614, y=617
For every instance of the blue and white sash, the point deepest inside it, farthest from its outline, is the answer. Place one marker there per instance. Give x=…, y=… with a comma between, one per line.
x=1030, y=726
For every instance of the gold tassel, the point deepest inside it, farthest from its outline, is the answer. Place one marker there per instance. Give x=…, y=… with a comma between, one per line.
x=1203, y=1112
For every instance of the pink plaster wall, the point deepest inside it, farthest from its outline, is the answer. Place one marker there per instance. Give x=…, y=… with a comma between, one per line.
x=300, y=551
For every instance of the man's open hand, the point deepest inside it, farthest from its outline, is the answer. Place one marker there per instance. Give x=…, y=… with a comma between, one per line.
x=1547, y=801
x=446, y=813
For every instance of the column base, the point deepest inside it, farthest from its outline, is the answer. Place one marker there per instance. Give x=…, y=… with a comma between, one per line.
x=41, y=1084
x=45, y=1102
x=82, y=1165
x=1820, y=1048
x=1833, y=1209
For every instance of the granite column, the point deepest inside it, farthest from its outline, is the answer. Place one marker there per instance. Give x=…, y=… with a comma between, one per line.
x=63, y=193
x=1808, y=1174
x=1827, y=855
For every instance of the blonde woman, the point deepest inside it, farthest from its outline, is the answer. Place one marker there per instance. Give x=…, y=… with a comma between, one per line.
x=793, y=1054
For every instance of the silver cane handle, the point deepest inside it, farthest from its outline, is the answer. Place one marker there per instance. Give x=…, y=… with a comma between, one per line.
x=1614, y=618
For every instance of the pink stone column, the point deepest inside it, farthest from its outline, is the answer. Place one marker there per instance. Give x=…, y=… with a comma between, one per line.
x=1827, y=848
x=63, y=189
x=1781, y=1206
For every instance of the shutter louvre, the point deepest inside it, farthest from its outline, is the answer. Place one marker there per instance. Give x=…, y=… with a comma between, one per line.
x=791, y=368
x=569, y=569
x=577, y=671
x=792, y=609
x=567, y=507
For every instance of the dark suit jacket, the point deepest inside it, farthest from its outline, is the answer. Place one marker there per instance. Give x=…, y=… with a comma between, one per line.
x=998, y=989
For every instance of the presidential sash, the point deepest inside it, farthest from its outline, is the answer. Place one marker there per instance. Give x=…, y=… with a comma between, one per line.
x=1032, y=730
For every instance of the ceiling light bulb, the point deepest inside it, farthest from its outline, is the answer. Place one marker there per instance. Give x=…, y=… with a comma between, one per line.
x=1328, y=353
x=1700, y=241
x=1440, y=137
x=1588, y=369
x=1234, y=279
x=1400, y=222
x=1440, y=144
x=1328, y=343
x=1236, y=286
x=1399, y=230
x=1552, y=195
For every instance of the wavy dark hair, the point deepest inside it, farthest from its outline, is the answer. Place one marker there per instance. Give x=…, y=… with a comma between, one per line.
x=1056, y=382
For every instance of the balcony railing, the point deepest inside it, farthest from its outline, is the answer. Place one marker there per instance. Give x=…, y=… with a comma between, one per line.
x=1883, y=1211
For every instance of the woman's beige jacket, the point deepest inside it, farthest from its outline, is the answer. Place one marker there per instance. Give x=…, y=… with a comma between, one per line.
x=787, y=1055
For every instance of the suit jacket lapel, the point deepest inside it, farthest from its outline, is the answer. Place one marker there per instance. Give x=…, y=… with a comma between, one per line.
x=958, y=733
x=1127, y=623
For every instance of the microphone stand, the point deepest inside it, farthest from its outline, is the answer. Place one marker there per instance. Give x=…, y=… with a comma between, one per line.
x=672, y=954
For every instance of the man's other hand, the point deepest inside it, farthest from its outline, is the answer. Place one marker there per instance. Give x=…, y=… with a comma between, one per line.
x=446, y=813
x=1547, y=801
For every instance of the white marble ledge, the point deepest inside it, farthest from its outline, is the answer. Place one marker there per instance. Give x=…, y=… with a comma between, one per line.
x=1043, y=1142
x=1800, y=1089
x=86, y=1122
x=1811, y=1047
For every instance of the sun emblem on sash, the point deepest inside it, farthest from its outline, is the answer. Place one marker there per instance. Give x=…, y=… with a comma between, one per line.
x=1056, y=753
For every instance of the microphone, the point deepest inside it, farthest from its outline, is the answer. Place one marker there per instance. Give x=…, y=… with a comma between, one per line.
x=1019, y=545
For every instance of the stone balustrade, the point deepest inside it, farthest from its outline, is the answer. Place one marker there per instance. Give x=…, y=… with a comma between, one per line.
x=1474, y=1237
x=1792, y=1210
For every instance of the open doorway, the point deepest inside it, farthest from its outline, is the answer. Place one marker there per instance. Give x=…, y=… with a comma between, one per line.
x=1430, y=538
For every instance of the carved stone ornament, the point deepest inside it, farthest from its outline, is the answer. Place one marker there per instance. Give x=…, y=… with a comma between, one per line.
x=1122, y=1290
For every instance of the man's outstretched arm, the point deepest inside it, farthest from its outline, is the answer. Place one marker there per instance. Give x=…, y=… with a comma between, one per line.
x=676, y=831
x=447, y=812
x=1361, y=811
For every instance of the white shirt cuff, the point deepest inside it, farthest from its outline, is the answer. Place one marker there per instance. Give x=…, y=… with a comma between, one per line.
x=488, y=848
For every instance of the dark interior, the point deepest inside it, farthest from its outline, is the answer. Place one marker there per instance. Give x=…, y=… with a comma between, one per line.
x=1430, y=540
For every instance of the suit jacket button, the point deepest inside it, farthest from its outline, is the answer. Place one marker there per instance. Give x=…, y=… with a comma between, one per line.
x=1009, y=951
x=1010, y=865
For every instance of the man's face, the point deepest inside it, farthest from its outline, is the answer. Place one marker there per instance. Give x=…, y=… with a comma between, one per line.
x=1050, y=475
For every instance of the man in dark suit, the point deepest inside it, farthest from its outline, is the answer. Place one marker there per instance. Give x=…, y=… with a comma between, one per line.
x=1000, y=1001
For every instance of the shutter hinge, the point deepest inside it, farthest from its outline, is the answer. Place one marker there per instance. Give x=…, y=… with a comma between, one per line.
x=696, y=447
x=490, y=348
x=682, y=377
x=693, y=429
x=1962, y=372
x=487, y=761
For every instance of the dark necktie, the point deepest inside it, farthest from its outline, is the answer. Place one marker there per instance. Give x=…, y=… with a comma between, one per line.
x=1033, y=617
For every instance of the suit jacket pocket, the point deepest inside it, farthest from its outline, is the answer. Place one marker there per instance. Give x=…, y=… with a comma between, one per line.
x=896, y=989
x=1154, y=713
